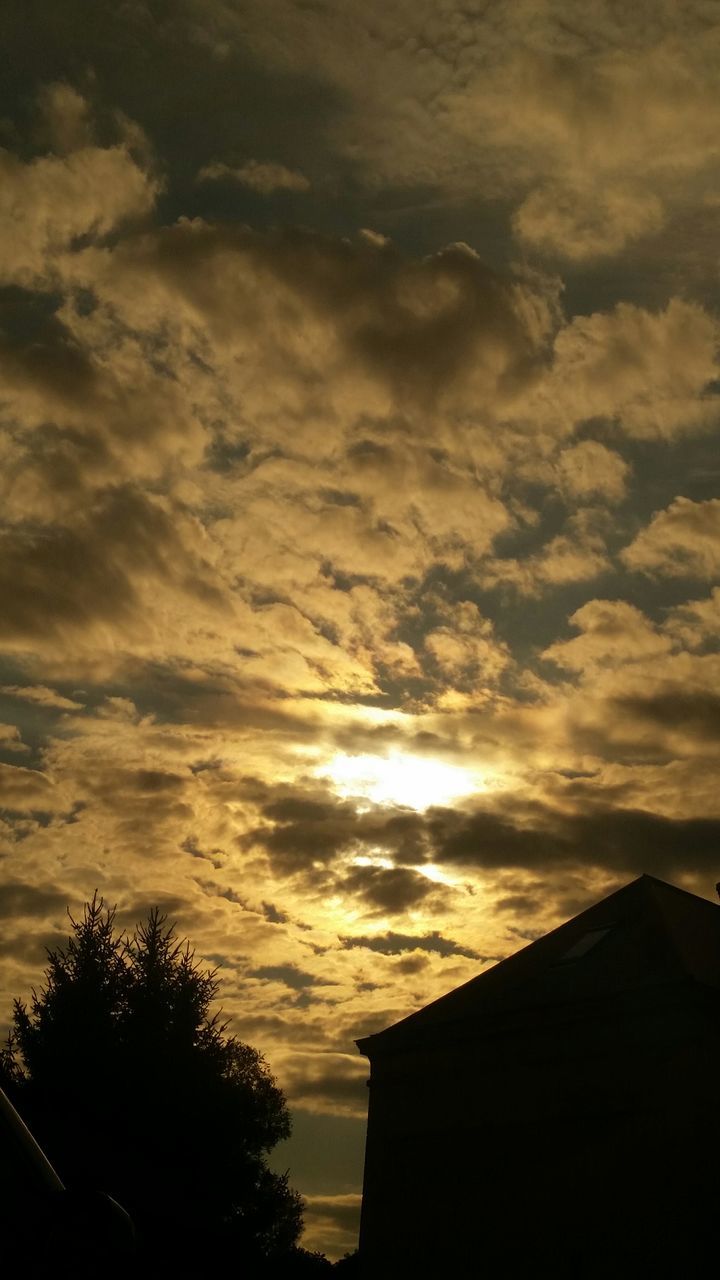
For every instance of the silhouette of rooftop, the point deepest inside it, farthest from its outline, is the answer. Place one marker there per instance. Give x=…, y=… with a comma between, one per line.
x=647, y=934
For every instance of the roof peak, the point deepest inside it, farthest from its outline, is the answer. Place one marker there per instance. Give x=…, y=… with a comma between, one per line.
x=647, y=932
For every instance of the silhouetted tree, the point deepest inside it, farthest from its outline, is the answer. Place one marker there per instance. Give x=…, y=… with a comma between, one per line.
x=349, y=1265
x=299, y=1264
x=133, y=1086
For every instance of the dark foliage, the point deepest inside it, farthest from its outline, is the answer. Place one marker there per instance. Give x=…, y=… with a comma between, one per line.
x=349, y=1265
x=299, y=1264
x=132, y=1086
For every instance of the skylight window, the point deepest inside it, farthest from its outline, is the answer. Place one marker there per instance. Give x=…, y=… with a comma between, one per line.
x=583, y=944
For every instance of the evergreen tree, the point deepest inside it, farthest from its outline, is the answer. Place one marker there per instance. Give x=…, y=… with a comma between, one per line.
x=134, y=1087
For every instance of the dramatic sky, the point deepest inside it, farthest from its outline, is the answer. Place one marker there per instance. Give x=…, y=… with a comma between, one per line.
x=359, y=478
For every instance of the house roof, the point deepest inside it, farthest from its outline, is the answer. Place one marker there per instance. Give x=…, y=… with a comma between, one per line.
x=646, y=934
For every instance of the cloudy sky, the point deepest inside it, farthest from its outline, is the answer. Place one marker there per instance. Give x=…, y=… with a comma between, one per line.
x=359, y=478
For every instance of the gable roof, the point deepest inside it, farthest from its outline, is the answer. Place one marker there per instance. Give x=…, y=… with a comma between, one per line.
x=646, y=934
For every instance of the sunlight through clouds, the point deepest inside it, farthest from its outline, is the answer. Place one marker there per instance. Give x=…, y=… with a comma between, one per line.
x=358, y=586
x=411, y=782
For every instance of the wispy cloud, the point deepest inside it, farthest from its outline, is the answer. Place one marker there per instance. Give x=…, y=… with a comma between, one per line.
x=265, y=178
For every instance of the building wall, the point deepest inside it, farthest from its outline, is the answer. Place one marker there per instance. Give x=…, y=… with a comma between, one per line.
x=564, y=1142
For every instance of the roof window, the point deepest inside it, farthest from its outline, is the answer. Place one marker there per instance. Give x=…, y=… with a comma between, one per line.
x=583, y=944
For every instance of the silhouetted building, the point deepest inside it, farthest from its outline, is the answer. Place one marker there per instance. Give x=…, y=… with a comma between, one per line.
x=558, y=1114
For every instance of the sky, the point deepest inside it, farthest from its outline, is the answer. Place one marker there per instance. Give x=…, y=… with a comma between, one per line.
x=359, y=496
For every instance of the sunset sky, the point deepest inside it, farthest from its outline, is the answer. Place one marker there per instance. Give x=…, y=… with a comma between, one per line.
x=359, y=468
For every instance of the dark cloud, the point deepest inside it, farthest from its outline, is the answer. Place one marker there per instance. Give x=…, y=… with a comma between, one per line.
x=138, y=907
x=58, y=580
x=523, y=904
x=151, y=781
x=289, y=975
x=620, y=841
x=18, y=899
x=535, y=838
x=525, y=935
x=205, y=698
x=140, y=801
x=412, y=964
x=391, y=889
x=295, y=809
x=193, y=847
x=340, y=1210
x=696, y=715
x=37, y=349
x=332, y=1223
x=393, y=944
x=293, y=846
x=320, y=826
x=489, y=839
x=273, y=915
x=418, y=328
x=416, y=324
x=215, y=891
x=635, y=840
x=327, y=1081
x=31, y=947
x=65, y=579
x=260, y=1028
x=532, y=836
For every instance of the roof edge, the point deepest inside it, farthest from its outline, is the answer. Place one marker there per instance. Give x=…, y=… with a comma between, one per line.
x=387, y=1036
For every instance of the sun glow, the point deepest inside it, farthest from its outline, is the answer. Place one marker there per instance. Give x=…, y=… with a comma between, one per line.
x=376, y=860
x=436, y=874
x=413, y=782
